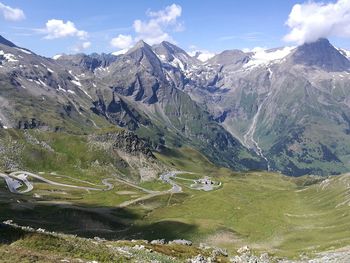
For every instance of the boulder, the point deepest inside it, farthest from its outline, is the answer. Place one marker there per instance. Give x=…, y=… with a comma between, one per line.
x=181, y=242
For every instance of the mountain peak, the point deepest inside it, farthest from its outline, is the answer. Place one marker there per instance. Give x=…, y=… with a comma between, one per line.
x=166, y=43
x=320, y=41
x=139, y=48
x=143, y=53
x=141, y=44
x=6, y=42
x=228, y=57
x=174, y=55
x=167, y=47
x=321, y=54
x=170, y=45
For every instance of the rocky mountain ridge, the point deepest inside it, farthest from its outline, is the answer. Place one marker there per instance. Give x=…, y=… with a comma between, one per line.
x=280, y=101
x=285, y=109
x=134, y=91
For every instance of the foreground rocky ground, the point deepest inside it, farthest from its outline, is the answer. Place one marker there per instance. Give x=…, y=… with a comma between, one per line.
x=26, y=244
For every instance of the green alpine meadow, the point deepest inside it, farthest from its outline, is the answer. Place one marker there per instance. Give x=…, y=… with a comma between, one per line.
x=175, y=132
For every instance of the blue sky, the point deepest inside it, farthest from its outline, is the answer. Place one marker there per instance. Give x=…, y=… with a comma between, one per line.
x=204, y=25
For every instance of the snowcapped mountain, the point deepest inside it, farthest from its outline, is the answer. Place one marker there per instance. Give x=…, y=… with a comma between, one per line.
x=291, y=105
x=89, y=62
x=39, y=92
x=174, y=55
x=135, y=90
x=322, y=55
x=286, y=108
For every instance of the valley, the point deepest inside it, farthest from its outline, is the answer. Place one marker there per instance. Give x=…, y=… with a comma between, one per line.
x=271, y=212
x=157, y=154
x=249, y=136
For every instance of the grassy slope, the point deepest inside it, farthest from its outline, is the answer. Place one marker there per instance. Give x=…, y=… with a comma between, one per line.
x=314, y=137
x=71, y=155
x=269, y=211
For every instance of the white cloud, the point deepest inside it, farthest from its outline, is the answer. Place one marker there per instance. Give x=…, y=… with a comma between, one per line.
x=168, y=15
x=122, y=41
x=86, y=45
x=80, y=47
x=310, y=21
x=56, y=28
x=10, y=13
x=202, y=55
x=154, y=30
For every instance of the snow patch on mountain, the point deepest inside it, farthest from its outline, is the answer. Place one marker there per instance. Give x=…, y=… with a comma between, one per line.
x=177, y=63
x=56, y=56
x=24, y=50
x=60, y=89
x=8, y=57
x=75, y=82
x=264, y=57
x=42, y=83
x=120, y=52
x=345, y=52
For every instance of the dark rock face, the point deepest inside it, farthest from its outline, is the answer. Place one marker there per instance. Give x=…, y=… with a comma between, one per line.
x=30, y=124
x=87, y=62
x=321, y=54
x=128, y=142
x=138, y=74
x=228, y=57
x=143, y=55
x=6, y=42
x=119, y=112
x=169, y=53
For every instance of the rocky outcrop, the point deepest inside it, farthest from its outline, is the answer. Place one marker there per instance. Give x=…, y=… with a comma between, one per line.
x=125, y=141
x=88, y=62
x=181, y=242
x=135, y=152
x=245, y=255
x=321, y=54
x=117, y=111
x=29, y=124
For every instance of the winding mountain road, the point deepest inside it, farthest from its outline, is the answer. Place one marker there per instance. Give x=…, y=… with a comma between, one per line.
x=165, y=177
x=16, y=180
x=12, y=184
x=134, y=185
x=19, y=179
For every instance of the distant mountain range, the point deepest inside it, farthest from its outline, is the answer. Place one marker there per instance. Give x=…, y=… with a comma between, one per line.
x=284, y=109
